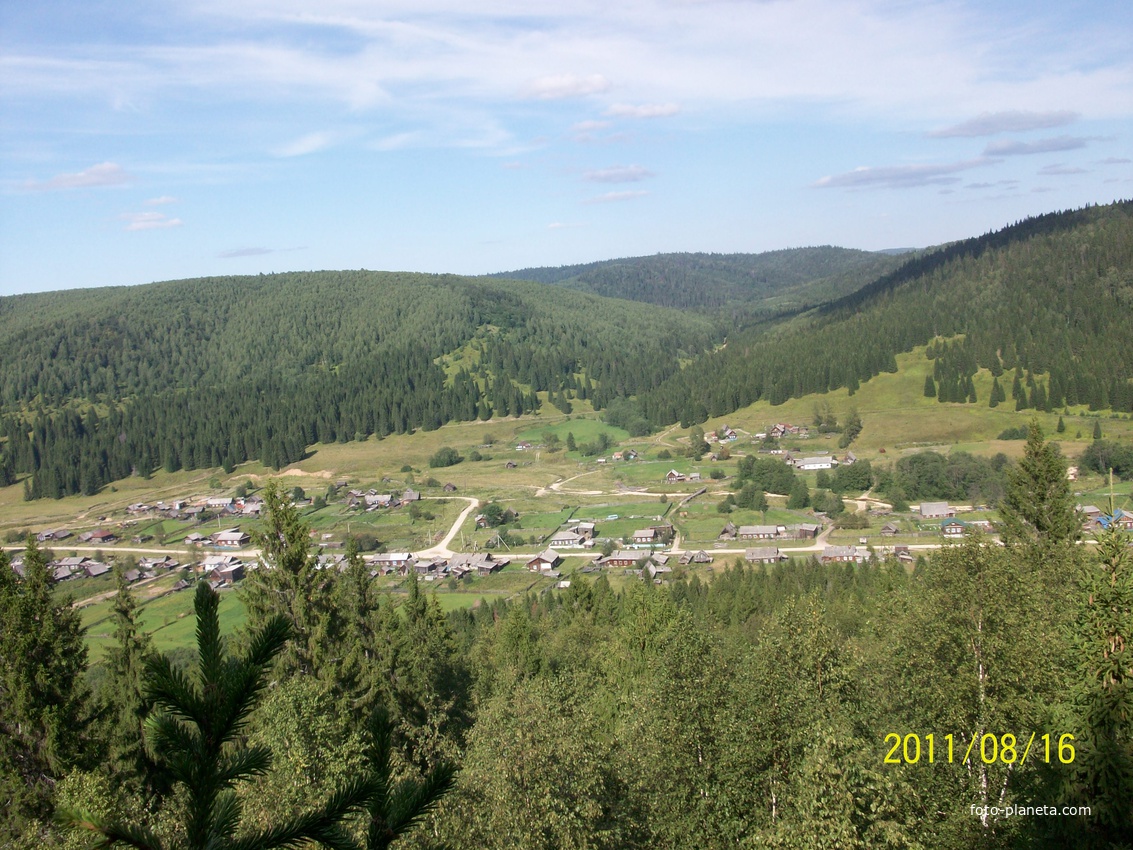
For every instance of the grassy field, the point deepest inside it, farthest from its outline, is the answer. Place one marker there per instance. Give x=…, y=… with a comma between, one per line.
x=584, y=430
x=167, y=618
x=897, y=416
x=897, y=419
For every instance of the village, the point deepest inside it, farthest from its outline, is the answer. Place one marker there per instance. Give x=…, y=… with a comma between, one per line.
x=171, y=543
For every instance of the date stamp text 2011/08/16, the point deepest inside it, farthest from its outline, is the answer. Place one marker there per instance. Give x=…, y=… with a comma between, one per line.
x=1004, y=749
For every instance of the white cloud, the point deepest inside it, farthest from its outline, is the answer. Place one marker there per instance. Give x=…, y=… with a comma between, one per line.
x=911, y=63
x=589, y=126
x=619, y=174
x=149, y=221
x=561, y=86
x=160, y=201
x=645, y=110
x=399, y=141
x=898, y=176
x=103, y=174
x=612, y=197
x=309, y=143
x=1012, y=121
x=1013, y=147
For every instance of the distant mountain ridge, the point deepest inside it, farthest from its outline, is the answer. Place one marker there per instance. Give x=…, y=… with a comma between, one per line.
x=96, y=385
x=1050, y=296
x=785, y=279
x=217, y=371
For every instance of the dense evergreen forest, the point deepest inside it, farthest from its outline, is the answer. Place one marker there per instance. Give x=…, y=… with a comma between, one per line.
x=215, y=372
x=1051, y=295
x=774, y=280
x=97, y=385
x=756, y=710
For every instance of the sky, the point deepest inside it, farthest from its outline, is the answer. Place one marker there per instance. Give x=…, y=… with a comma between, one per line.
x=144, y=141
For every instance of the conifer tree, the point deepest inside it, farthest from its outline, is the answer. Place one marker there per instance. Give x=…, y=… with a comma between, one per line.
x=369, y=639
x=394, y=809
x=196, y=734
x=929, y=387
x=288, y=583
x=1038, y=505
x=42, y=695
x=1101, y=775
x=125, y=664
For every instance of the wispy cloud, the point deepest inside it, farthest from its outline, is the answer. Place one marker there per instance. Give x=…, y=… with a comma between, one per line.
x=613, y=197
x=160, y=201
x=998, y=184
x=399, y=141
x=103, y=174
x=1062, y=168
x=256, y=251
x=1011, y=121
x=1115, y=160
x=898, y=176
x=1013, y=147
x=560, y=86
x=236, y=253
x=589, y=126
x=645, y=110
x=619, y=174
x=149, y=221
x=307, y=144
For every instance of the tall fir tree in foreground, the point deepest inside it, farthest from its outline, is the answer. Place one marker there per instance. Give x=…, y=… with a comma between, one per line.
x=42, y=692
x=289, y=584
x=1101, y=776
x=123, y=689
x=197, y=735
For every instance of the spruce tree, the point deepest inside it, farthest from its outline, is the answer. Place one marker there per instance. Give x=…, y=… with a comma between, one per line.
x=1101, y=775
x=196, y=734
x=1038, y=505
x=929, y=387
x=395, y=809
x=288, y=583
x=42, y=692
x=1097, y=429
x=125, y=664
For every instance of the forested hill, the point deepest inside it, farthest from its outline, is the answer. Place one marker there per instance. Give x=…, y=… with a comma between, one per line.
x=1048, y=300
x=781, y=280
x=213, y=372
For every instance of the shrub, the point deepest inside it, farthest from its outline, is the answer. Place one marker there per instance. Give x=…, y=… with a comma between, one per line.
x=445, y=456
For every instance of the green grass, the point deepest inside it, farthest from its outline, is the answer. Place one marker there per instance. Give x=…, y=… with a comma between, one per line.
x=584, y=430
x=168, y=619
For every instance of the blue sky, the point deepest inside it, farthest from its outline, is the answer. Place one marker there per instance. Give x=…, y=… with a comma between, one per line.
x=146, y=141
